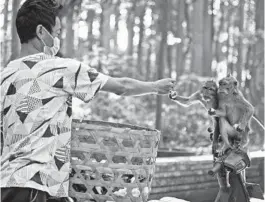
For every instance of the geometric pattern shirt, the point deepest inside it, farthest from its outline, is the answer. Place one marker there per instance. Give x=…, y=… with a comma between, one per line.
x=36, y=117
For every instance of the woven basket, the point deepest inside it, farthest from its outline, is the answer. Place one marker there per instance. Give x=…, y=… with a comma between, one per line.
x=112, y=162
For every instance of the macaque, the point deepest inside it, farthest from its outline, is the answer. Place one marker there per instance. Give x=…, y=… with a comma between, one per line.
x=234, y=113
x=231, y=110
x=207, y=96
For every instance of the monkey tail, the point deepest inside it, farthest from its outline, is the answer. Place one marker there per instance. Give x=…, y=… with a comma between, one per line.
x=258, y=122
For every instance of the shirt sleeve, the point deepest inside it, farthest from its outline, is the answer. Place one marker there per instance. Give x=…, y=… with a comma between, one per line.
x=82, y=81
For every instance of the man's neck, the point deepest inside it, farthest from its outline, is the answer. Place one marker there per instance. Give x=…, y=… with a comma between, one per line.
x=28, y=49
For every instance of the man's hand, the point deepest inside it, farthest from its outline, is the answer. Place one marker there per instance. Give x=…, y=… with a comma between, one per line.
x=164, y=86
x=132, y=87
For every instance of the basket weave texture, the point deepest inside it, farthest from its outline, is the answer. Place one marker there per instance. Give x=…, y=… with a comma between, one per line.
x=112, y=162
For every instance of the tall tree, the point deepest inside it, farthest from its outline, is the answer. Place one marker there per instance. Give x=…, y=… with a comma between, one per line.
x=197, y=36
x=207, y=39
x=15, y=44
x=5, y=32
x=148, y=62
x=141, y=37
x=229, y=52
x=169, y=59
x=67, y=15
x=163, y=5
x=169, y=45
x=130, y=25
x=69, y=38
x=219, y=30
x=117, y=20
x=180, y=18
x=105, y=35
x=240, y=25
x=257, y=75
x=188, y=38
x=90, y=18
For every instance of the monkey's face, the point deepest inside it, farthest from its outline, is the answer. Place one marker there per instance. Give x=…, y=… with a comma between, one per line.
x=209, y=90
x=227, y=85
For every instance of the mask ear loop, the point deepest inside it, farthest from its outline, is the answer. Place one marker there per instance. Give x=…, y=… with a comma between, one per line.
x=42, y=41
x=48, y=34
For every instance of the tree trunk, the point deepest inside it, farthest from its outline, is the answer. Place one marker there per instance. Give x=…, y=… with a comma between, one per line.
x=107, y=10
x=163, y=5
x=15, y=44
x=207, y=41
x=141, y=37
x=229, y=48
x=218, y=51
x=247, y=67
x=130, y=26
x=169, y=60
x=197, y=37
x=259, y=15
x=240, y=21
x=63, y=33
x=257, y=68
x=180, y=19
x=187, y=50
x=6, y=41
x=148, y=62
x=116, y=29
x=77, y=53
x=69, y=38
x=90, y=18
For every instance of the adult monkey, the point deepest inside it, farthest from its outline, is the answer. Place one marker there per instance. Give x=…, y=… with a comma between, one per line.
x=236, y=112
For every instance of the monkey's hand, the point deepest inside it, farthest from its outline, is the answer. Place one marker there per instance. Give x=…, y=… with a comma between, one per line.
x=224, y=149
x=239, y=127
x=173, y=95
x=210, y=130
x=211, y=112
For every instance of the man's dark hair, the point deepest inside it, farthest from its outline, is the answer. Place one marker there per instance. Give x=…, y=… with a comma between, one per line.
x=33, y=13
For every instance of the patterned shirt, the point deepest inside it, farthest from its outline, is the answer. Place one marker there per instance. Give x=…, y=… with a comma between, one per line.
x=36, y=117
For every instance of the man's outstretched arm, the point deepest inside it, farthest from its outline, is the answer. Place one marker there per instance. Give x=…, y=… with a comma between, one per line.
x=130, y=87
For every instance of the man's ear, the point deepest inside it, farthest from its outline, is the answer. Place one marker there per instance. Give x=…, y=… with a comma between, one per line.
x=43, y=35
x=39, y=31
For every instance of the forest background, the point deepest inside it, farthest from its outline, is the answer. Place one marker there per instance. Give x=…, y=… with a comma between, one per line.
x=188, y=40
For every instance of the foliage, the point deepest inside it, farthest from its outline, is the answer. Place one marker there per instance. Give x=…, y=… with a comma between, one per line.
x=190, y=40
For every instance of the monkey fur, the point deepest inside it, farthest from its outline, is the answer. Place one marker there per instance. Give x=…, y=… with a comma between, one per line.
x=234, y=113
x=207, y=96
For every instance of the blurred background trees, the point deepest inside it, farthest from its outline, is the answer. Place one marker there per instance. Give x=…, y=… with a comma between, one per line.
x=188, y=40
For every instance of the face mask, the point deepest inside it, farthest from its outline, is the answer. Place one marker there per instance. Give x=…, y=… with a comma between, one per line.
x=54, y=49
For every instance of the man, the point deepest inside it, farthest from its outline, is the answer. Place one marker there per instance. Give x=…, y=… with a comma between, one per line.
x=36, y=91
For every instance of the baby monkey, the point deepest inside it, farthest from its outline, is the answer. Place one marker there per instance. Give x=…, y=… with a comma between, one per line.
x=207, y=96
